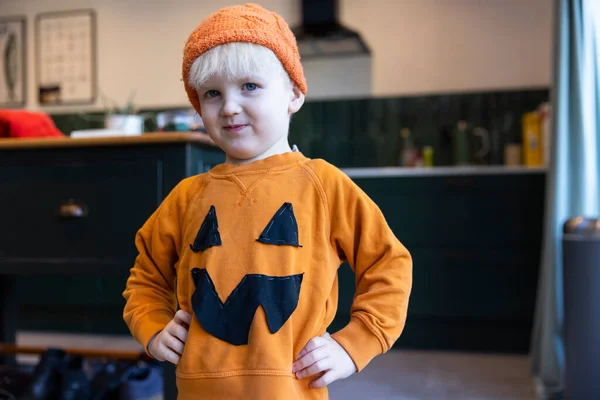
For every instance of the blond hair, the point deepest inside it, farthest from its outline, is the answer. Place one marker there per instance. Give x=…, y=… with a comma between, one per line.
x=236, y=60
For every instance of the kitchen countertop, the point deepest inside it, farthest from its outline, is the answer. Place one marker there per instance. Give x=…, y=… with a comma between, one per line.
x=203, y=138
x=385, y=172
x=145, y=139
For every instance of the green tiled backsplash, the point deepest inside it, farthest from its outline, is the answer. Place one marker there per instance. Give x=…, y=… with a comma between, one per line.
x=365, y=132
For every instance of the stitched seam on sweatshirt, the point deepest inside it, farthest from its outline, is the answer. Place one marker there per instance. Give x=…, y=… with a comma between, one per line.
x=237, y=181
x=257, y=171
x=320, y=190
x=363, y=320
x=257, y=181
x=241, y=372
x=201, y=186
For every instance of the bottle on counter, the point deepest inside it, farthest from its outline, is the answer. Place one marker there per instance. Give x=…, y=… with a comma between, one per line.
x=513, y=154
x=407, y=156
x=533, y=152
x=427, y=156
x=461, y=149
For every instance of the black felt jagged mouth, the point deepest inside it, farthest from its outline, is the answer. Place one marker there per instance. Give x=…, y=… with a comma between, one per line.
x=230, y=321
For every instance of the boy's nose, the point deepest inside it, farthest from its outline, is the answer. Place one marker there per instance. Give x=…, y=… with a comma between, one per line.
x=230, y=107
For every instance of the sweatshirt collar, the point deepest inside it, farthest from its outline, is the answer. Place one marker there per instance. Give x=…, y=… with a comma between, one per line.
x=277, y=161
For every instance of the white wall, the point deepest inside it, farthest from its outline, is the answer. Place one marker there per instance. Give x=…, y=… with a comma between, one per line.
x=419, y=46
x=339, y=78
x=422, y=46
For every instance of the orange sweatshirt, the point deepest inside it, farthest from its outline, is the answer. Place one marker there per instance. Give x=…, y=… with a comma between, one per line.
x=252, y=253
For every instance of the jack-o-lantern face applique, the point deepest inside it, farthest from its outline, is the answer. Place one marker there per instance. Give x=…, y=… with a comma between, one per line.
x=208, y=235
x=278, y=295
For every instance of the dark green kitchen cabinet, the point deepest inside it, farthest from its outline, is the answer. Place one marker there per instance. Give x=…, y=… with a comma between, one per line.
x=475, y=238
x=70, y=210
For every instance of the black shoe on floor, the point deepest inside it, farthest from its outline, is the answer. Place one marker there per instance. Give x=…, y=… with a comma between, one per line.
x=75, y=379
x=142, y=381
x=44, y=384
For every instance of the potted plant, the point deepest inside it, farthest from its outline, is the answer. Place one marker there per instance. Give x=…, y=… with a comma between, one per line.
x=125, y=119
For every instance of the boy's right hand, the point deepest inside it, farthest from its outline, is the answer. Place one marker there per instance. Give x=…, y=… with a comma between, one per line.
x=168, y=344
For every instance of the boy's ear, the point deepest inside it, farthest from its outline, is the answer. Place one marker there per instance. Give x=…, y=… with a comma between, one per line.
x=296, y=100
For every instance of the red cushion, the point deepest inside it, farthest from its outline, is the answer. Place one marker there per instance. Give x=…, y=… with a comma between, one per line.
x=27, y=124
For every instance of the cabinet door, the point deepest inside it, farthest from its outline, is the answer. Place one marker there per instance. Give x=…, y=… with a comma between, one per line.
x=494, y=283
x=461, y=210
x=76, y=213
x=475, y=242
x=73, y=218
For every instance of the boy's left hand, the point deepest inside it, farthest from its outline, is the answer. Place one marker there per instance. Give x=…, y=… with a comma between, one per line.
x=322, y=354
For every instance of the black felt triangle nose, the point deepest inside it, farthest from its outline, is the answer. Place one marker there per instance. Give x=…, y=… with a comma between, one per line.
x=282, y=229
x=208, y=235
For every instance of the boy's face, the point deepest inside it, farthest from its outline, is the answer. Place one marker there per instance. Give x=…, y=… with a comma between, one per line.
x=248, y=118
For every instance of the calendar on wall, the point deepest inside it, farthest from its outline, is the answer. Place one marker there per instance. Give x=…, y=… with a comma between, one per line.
x=12, y=68
x=66, y=57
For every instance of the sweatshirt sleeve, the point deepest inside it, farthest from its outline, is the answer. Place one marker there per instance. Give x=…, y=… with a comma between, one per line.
x=382, y=266
x=150, y=290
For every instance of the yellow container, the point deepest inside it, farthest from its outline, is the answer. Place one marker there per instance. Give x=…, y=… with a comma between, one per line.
x=428, y=156
x=532, y=140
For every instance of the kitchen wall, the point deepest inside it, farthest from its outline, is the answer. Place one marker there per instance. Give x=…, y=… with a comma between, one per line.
x=433, y=46
x=419, y=46
x=365, y=132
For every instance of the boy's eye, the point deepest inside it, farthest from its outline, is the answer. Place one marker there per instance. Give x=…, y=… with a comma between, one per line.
x=212, y=93
x=250, y=86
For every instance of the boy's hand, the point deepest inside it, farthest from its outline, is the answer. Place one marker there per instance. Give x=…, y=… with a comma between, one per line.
x=323, y=355
x=168, y=344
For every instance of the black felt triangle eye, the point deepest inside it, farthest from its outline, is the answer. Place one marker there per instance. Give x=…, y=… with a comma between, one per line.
x=208, y=235
x=282, y=229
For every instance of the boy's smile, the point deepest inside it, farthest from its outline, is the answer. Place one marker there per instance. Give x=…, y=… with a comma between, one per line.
x=235, y=128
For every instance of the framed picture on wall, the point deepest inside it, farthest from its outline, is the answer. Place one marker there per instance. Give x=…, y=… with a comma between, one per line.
x=66, y=57
x=13, y=86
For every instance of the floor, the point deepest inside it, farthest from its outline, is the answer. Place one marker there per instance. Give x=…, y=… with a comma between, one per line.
x=397, y=375
x=417, y=375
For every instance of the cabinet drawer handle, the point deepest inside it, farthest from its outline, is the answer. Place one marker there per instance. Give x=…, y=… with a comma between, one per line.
x=72, y=209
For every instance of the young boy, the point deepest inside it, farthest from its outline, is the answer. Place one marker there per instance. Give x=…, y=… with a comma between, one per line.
x=250, y=250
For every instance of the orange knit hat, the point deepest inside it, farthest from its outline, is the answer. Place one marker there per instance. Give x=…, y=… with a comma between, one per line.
x=249, y=23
